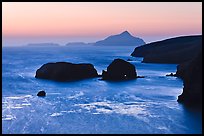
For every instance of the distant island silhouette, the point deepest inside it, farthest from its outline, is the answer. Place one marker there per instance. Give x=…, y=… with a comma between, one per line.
x=42, y=44
x=78, y=43
x=123, y=39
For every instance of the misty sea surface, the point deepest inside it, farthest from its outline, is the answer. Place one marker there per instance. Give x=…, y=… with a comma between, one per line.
x=139, y=106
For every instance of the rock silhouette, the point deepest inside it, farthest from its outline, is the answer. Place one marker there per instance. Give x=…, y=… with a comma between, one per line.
x=64, y=71
x=119, y=70
x=123, y=39
x=191, y=73
x=174, y=50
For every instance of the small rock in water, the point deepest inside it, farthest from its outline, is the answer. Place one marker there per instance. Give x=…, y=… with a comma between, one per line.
x=41, y=93
x=170, y=74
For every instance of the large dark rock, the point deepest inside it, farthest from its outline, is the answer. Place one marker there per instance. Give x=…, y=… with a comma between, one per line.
x=191, y=73
x=119, y=70
x=123, y=39
x=64, y=71
x=174, y=50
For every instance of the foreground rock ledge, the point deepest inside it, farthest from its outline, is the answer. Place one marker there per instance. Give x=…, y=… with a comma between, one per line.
x=191, y=73
x=65, y=71
x=119, y=70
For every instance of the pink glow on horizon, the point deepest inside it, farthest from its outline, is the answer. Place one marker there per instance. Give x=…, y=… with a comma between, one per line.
x=100, y=19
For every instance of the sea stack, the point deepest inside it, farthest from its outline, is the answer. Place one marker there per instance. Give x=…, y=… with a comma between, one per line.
x=119, y=70
x=64, y=71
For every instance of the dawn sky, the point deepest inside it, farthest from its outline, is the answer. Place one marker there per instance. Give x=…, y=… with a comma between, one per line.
x=24, y=22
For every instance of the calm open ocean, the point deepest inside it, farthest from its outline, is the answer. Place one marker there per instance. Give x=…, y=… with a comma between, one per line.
x=143, y=105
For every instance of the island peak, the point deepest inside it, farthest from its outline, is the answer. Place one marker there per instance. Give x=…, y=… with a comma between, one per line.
x=122, y=39
x=125, y=33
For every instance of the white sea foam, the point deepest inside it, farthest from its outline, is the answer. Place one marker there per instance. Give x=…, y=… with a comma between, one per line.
x=16, y=107
x=63, y=111
x=21, y=75
x=76, y=95
x=163, y=127
x=53, y=93
x=95, y=113
x=107, y=107
x=19, y=97
x=103, y=110
x=8, y=117
x=56, y=114
x=70, y=111
x=25, y=104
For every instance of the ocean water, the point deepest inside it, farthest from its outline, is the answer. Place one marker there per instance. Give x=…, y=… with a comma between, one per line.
x=140, y=106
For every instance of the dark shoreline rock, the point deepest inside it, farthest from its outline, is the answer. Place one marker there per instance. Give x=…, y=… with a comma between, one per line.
x=119, y=70
x=64, y=71
x=191, y=73
x=171, y=51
